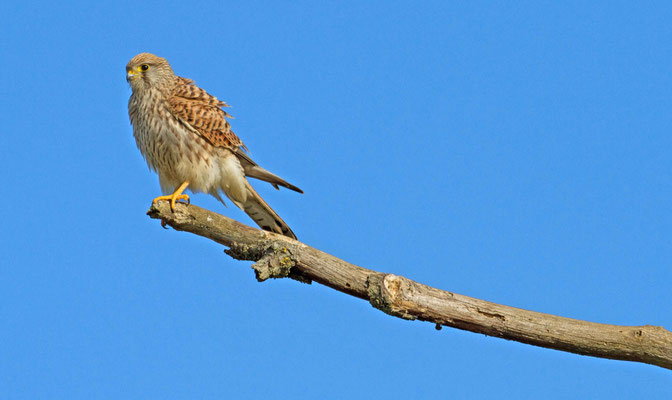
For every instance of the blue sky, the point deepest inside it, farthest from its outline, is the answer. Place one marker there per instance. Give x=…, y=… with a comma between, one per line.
x=516, y=153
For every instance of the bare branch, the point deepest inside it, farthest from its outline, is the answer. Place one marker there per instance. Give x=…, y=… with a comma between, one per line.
x=277, y=256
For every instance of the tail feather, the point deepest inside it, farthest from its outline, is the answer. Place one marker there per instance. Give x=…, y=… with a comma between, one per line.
x=263, y=214
x=259, y=173
x=253, y=170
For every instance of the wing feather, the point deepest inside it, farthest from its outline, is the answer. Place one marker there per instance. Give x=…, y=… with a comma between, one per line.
x=203, y=113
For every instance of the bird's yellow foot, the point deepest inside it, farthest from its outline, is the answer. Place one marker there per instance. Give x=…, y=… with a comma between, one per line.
x=175, y=197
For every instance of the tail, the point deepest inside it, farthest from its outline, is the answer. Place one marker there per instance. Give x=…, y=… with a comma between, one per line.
x=263, y=214
x=253, y=170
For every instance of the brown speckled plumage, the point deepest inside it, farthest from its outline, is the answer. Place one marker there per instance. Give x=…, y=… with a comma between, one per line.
x=204, y=112
x=183, y=133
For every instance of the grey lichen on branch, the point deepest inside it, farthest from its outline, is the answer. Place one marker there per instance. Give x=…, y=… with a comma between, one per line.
x=277, y=256
x=273, y=260
x=246, y=252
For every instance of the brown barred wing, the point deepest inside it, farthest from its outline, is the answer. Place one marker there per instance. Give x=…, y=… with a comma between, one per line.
x=203, y=112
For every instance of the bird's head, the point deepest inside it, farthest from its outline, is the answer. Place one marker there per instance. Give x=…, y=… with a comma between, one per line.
x=147, y=70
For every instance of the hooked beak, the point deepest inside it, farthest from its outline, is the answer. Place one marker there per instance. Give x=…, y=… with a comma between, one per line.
x=130, y=75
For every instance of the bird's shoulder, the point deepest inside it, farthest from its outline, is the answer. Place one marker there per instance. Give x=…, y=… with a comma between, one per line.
x=203, y=112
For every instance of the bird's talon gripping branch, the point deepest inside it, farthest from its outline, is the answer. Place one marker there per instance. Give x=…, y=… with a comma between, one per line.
x=175, y=197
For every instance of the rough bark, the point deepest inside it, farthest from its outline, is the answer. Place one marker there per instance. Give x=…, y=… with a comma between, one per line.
x=277, y=256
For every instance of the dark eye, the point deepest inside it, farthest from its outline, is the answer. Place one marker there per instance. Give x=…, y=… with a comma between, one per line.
x=144, y=67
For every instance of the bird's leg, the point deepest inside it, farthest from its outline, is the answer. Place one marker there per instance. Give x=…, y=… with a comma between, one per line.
x=175, y=196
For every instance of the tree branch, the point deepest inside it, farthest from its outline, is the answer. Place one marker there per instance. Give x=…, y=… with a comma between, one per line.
x=278, y=256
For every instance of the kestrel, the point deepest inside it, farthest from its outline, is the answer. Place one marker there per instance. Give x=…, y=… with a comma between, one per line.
x=183, y=134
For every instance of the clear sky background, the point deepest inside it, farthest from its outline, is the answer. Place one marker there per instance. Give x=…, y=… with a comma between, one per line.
x=516, y=153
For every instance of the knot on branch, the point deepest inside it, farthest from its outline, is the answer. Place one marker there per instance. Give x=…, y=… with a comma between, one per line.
x=250, y=252
x=386, y=293
x=273, y=260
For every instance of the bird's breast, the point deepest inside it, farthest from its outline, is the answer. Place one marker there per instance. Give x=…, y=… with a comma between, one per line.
x=170, y=148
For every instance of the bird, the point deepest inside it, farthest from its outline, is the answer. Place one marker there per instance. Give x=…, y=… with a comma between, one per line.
x=184, y=136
